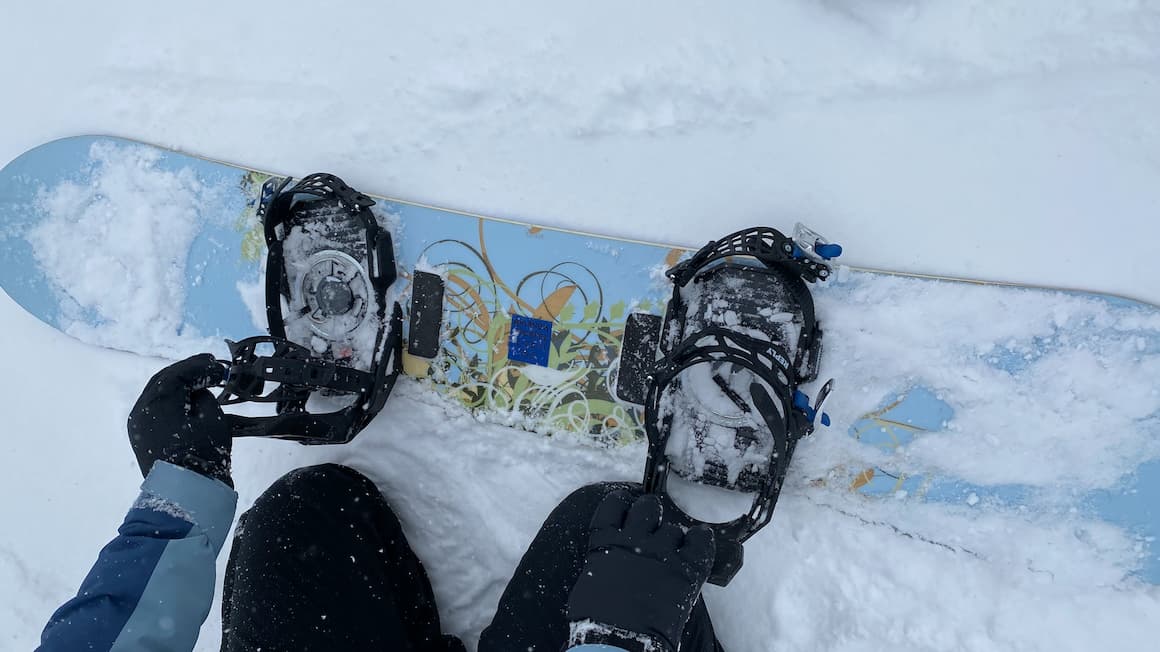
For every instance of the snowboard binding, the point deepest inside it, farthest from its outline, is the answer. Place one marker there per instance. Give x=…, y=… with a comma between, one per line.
x=328, y=268
x=718, y=375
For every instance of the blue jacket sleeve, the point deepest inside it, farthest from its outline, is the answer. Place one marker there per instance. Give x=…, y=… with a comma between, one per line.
x=152, y=585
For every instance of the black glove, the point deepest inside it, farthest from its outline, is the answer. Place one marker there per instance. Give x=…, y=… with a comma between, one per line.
x=641, y=578
x=177, y=420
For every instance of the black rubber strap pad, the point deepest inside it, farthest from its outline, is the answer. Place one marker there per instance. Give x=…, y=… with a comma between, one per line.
x=638, y=352
x=426, y=315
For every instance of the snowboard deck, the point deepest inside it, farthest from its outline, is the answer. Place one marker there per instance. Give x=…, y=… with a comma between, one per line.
x=954, y=392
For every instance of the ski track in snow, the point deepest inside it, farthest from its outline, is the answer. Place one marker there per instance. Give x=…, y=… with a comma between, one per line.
x=1006, y=139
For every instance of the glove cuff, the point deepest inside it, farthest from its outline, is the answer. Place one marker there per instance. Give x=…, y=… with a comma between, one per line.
x=582, y=632
x=219, y=471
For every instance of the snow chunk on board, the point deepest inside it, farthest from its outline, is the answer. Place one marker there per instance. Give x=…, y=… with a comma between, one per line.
x=136, y=299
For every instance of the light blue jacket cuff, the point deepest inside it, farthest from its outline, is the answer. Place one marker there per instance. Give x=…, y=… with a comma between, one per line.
x=207, y=503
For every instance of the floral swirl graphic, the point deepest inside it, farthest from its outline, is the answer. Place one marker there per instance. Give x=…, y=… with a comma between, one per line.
x=571, y=394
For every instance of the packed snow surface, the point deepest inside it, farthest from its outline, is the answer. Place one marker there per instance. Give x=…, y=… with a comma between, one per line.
x=1009, y=139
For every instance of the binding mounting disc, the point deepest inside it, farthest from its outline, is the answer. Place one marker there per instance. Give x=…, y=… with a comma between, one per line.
x=335, y=294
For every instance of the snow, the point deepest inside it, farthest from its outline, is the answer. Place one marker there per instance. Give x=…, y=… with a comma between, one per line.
x=1042, y=421
x=1007, y=139
x=1017, y=127
x=124, y=288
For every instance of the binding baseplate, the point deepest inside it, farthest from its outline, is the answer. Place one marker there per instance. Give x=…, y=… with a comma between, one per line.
x=721, y=398
x=328, y=267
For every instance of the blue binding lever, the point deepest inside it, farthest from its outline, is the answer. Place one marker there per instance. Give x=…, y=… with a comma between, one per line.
x=802, y=402
x=828, y=251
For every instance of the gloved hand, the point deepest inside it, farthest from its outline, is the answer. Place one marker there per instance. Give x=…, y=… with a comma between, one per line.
x=177, y=420
x=641, y=577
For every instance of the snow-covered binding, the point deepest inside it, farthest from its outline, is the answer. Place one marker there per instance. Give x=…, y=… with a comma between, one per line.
x=328, y=268
x=723, y=406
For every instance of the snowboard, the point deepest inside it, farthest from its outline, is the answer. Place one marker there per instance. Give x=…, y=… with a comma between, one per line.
x=974, y=398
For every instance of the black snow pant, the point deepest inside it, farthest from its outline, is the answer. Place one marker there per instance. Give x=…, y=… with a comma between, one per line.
x=320, y=562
